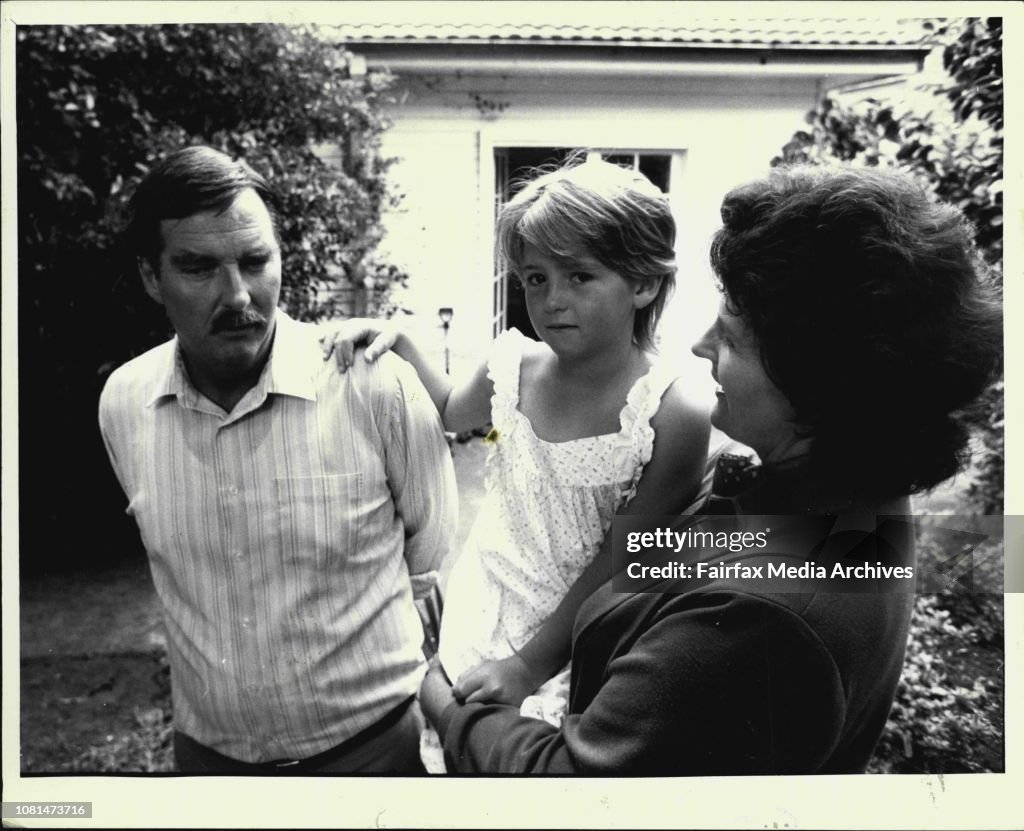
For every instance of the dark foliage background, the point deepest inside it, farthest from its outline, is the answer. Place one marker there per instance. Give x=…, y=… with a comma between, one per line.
x=96, y=106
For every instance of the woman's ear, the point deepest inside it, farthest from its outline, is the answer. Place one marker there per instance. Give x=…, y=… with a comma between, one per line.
x=150, y=280
x=645, y=290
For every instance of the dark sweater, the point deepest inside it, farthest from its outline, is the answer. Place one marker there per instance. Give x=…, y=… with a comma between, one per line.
x=726, y=678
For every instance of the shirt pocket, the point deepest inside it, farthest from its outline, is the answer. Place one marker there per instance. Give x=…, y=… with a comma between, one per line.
x=318, y=517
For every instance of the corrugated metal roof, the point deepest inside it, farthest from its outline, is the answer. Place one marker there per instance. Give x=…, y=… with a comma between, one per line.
x=723, y=32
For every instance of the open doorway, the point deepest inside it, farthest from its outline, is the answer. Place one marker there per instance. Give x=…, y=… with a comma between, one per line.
x=513, y=167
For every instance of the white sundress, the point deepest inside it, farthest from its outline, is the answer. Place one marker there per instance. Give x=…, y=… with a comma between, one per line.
x=546, y=510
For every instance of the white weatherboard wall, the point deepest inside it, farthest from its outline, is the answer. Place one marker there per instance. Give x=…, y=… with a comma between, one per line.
x=721, y=132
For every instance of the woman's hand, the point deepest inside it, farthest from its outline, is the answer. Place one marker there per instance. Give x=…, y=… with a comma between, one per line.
x=379, y=336
x=507, y=681
x=435, y=692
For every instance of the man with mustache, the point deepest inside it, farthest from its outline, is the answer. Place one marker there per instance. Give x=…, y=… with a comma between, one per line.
x=291, y=514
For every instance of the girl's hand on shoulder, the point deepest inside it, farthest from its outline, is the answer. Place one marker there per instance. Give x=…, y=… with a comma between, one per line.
x=507, y=681
x=341, y=339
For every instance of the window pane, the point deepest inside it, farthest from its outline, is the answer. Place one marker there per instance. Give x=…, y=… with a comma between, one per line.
x=656, y=168
x=621, y=159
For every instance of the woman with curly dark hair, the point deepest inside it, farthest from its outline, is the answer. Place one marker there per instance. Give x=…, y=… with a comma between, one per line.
x=862, y=301
x=855, y=332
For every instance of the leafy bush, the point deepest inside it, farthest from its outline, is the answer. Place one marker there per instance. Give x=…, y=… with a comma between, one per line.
x=947, y=716
x=96, y=106
x=973, y=599
x=938, y=725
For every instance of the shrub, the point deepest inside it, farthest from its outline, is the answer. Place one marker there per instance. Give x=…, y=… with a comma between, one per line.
x=96, y=106
x=936, y=724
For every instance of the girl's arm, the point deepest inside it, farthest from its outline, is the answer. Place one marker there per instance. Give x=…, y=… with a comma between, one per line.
x=669, y=484
x=461, y=407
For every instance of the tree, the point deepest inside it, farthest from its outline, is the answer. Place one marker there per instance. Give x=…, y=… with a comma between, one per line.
x=949, y=134
x=96, y=106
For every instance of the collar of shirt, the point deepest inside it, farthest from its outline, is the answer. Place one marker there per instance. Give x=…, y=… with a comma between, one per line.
x=287, y=373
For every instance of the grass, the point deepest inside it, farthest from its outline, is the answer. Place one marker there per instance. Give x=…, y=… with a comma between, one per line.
x=146, y=747
x=96, y=714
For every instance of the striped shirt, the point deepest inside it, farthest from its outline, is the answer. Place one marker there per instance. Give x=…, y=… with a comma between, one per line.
x=285, y=539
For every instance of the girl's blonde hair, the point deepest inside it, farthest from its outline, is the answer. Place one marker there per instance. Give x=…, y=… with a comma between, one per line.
x=611, y=213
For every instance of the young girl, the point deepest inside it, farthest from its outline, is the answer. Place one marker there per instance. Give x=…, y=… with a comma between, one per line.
x=587, y=423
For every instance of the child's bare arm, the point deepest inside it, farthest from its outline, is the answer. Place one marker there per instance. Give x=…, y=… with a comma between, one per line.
x=669, y=484
x=461, y=407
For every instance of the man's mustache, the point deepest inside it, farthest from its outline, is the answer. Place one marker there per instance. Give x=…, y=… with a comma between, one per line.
x=237, y=320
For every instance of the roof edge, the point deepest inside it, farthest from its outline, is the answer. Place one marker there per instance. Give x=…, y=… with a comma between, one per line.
x=637, y=44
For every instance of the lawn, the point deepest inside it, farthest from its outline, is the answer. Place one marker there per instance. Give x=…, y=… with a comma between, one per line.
x=96, y=714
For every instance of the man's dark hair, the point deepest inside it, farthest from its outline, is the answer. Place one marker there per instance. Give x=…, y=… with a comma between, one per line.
x=184, y=183
x=874, y=316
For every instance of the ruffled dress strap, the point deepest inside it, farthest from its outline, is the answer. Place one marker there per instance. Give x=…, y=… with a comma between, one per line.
x=642, y=403
x=503, y=370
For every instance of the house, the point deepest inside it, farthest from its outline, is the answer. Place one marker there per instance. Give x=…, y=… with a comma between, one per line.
x=483, y=92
